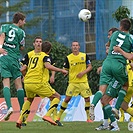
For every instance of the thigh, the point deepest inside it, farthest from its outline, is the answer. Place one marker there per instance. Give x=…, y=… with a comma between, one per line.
x=119, y=72
x=5, y=68
x=30, y=90
x=45, y=90
x=113, y=88
x=15, y=69
x=73, y=89
x=105, y=75
x=129, y=94
x=85, y=90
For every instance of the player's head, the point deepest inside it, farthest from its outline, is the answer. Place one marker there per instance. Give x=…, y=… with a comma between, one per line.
x=37, y=44
x=46, y=47
x=75, y=46
x=111, y=30
x=19, y=18
x=125, y=24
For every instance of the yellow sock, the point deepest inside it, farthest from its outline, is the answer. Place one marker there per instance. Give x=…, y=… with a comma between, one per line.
x=87, y=106
x=130, y=111
x=25, y=110
x=122, y=118
x=122, y=112
x=62, y=109
x=53, y=106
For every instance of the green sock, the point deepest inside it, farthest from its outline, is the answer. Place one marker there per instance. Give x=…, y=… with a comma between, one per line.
x=108, y=110
x=105, y=114
x=20, y=95
x=97, y=97
x=120, y=98
x=7, y=96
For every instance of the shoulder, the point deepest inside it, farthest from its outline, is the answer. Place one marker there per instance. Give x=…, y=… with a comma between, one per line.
x=82, y=54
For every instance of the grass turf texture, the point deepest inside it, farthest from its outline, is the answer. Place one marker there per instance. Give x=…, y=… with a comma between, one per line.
x=68, y=127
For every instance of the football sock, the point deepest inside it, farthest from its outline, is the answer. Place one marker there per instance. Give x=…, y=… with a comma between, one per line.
x=20, y=95
x=108, y=110
x=122, y=112
x=25, y=110
x=55, y=114
x=87, y=106
x=97, y=97
x=130, y=111
x=62, y=109
x=105, y=115
x=7, y=96
x=120, y=98
x=53, y=106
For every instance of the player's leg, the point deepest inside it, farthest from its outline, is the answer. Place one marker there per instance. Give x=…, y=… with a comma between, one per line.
x=122, y=117
x=20, y=91
x=126, y=101
x=121, y=76
x=29, y=89
x=7, y=96
x=105, y=124
x=72, y=89
x=108, y=109
x=95, y=100
x=85, y=92
x=55, y=99
x=63, y=106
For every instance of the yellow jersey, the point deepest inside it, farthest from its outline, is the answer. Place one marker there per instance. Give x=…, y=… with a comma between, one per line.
x=76, y=64
x=36, y=72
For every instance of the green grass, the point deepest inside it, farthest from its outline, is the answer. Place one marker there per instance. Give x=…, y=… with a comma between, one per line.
x=68, y=127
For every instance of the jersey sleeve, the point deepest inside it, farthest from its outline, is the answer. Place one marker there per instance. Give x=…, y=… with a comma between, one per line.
x=47, y=59
x=66, y=63
x=88, y=60
x=25, y=60
x=22, y=39
x=3, y=28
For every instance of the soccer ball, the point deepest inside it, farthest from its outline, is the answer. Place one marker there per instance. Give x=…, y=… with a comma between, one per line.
x=84, y=15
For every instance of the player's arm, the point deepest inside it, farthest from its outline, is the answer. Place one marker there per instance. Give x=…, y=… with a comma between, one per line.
x=88, y=69
x=129, y=56
x=52, y=77
x=22, y=41
x=2, y=38
x=47, y=64
x=24, y=64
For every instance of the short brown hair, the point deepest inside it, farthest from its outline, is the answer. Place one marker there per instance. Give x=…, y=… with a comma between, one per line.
x=113, y=29
x=37, y=37
x=18, y=16
x=46, y=46
x=125, y=24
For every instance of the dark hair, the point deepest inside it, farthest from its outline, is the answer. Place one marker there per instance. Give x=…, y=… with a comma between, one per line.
x=37, y=37
x=113, y=29
x=125, y=24
x=18, y=16
x=76, y=41
x=46, y=46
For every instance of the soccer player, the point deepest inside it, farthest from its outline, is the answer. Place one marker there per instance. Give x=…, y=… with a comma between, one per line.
x=78, y=65
x=36, y=83
x=115, y=71
x=12, y=40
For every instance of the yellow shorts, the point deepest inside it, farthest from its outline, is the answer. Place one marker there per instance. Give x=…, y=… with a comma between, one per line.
x=129, y=94
x=42, y=90
x=82, y=89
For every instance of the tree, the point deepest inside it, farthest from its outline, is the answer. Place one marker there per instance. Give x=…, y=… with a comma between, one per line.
x=121, y=13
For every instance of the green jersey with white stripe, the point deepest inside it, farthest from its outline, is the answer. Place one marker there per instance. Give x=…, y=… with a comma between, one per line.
x=122, y=40
x=14, y=39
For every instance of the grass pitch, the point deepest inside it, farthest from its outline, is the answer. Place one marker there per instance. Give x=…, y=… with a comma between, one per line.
x=68, y=127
